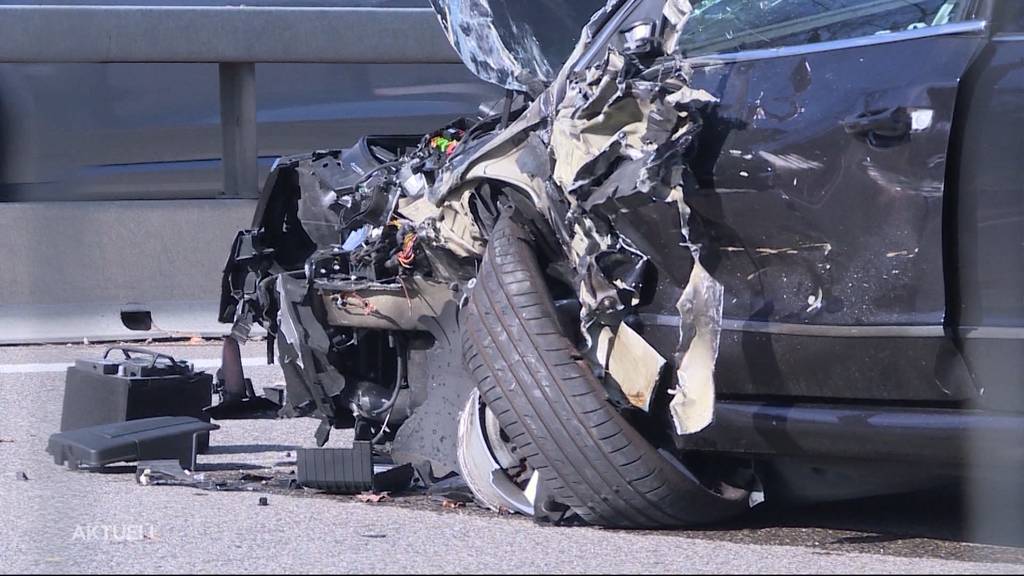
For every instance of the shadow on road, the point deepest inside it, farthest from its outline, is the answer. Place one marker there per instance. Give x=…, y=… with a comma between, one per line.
x=932, y=523
x=250, y=448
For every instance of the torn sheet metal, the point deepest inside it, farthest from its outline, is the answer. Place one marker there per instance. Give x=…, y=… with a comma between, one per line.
x=517, y=45
x=618, y=141
x=535, y=119
x=635, y=366
x=700, y=311
x=311, y=380
x=513, y=61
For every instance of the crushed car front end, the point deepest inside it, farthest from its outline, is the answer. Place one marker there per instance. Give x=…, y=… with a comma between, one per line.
x=363, y=263
x=533, y=298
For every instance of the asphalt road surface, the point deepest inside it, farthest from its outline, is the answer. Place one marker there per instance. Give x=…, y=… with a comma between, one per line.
x=59, y=521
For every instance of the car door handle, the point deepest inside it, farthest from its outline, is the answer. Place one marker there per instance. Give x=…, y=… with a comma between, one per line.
x=889, y=125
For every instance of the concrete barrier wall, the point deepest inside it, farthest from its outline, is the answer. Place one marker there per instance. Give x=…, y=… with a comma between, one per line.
x=68, y=268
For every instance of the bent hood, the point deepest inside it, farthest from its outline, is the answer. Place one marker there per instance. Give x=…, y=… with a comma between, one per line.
x=517, y=44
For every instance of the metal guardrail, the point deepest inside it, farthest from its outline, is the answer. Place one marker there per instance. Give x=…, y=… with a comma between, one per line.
x=236, y=38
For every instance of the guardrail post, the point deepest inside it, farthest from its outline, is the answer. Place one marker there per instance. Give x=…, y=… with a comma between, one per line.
x=238, y=128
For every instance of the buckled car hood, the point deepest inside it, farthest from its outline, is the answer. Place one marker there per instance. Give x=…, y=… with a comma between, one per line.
x=517, y=44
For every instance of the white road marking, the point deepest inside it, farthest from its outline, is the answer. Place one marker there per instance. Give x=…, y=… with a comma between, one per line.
x=43, y=368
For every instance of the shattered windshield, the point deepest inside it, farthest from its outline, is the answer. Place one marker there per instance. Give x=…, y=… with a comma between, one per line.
x=517, y=44
x=718, y=26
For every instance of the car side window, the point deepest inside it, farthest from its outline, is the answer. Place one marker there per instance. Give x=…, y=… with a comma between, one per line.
x=718, y=26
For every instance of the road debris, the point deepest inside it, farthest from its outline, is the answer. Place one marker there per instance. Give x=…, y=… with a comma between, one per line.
x=452, y=504
x=159, y=438
x=372, y=497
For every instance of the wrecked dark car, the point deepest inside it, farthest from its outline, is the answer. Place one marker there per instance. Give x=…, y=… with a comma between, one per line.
x=702, y=256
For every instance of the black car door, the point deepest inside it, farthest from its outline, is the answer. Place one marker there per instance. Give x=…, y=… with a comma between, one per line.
x=822, y=172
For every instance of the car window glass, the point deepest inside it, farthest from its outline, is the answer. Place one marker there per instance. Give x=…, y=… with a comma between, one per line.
x=735, y=25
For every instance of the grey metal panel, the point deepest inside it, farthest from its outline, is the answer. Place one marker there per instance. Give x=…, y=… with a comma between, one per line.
x=221, y=34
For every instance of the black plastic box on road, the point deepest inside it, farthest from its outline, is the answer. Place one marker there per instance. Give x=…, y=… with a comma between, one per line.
x=142, y=384
x=339, y=470
x=158, y=438
x=349, y=470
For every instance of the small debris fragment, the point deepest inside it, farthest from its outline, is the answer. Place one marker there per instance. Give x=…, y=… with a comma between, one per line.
x=20, y=475
x=264, y=501
x=373, y=535
x=6, y=440
x=196, y=340
x=449, y=503
x=815, y=301
x=454, y=488
x=370, y=497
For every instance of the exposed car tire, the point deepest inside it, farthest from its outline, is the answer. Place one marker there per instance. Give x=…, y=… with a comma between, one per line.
x=556, y=412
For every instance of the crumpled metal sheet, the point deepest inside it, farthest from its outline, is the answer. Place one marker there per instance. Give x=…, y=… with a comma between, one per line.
x=504, y=53
x=535, y=119
x=618, y=139
x=635, y=366
x=517, y=44
x=616, y=133
x=700, y=311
